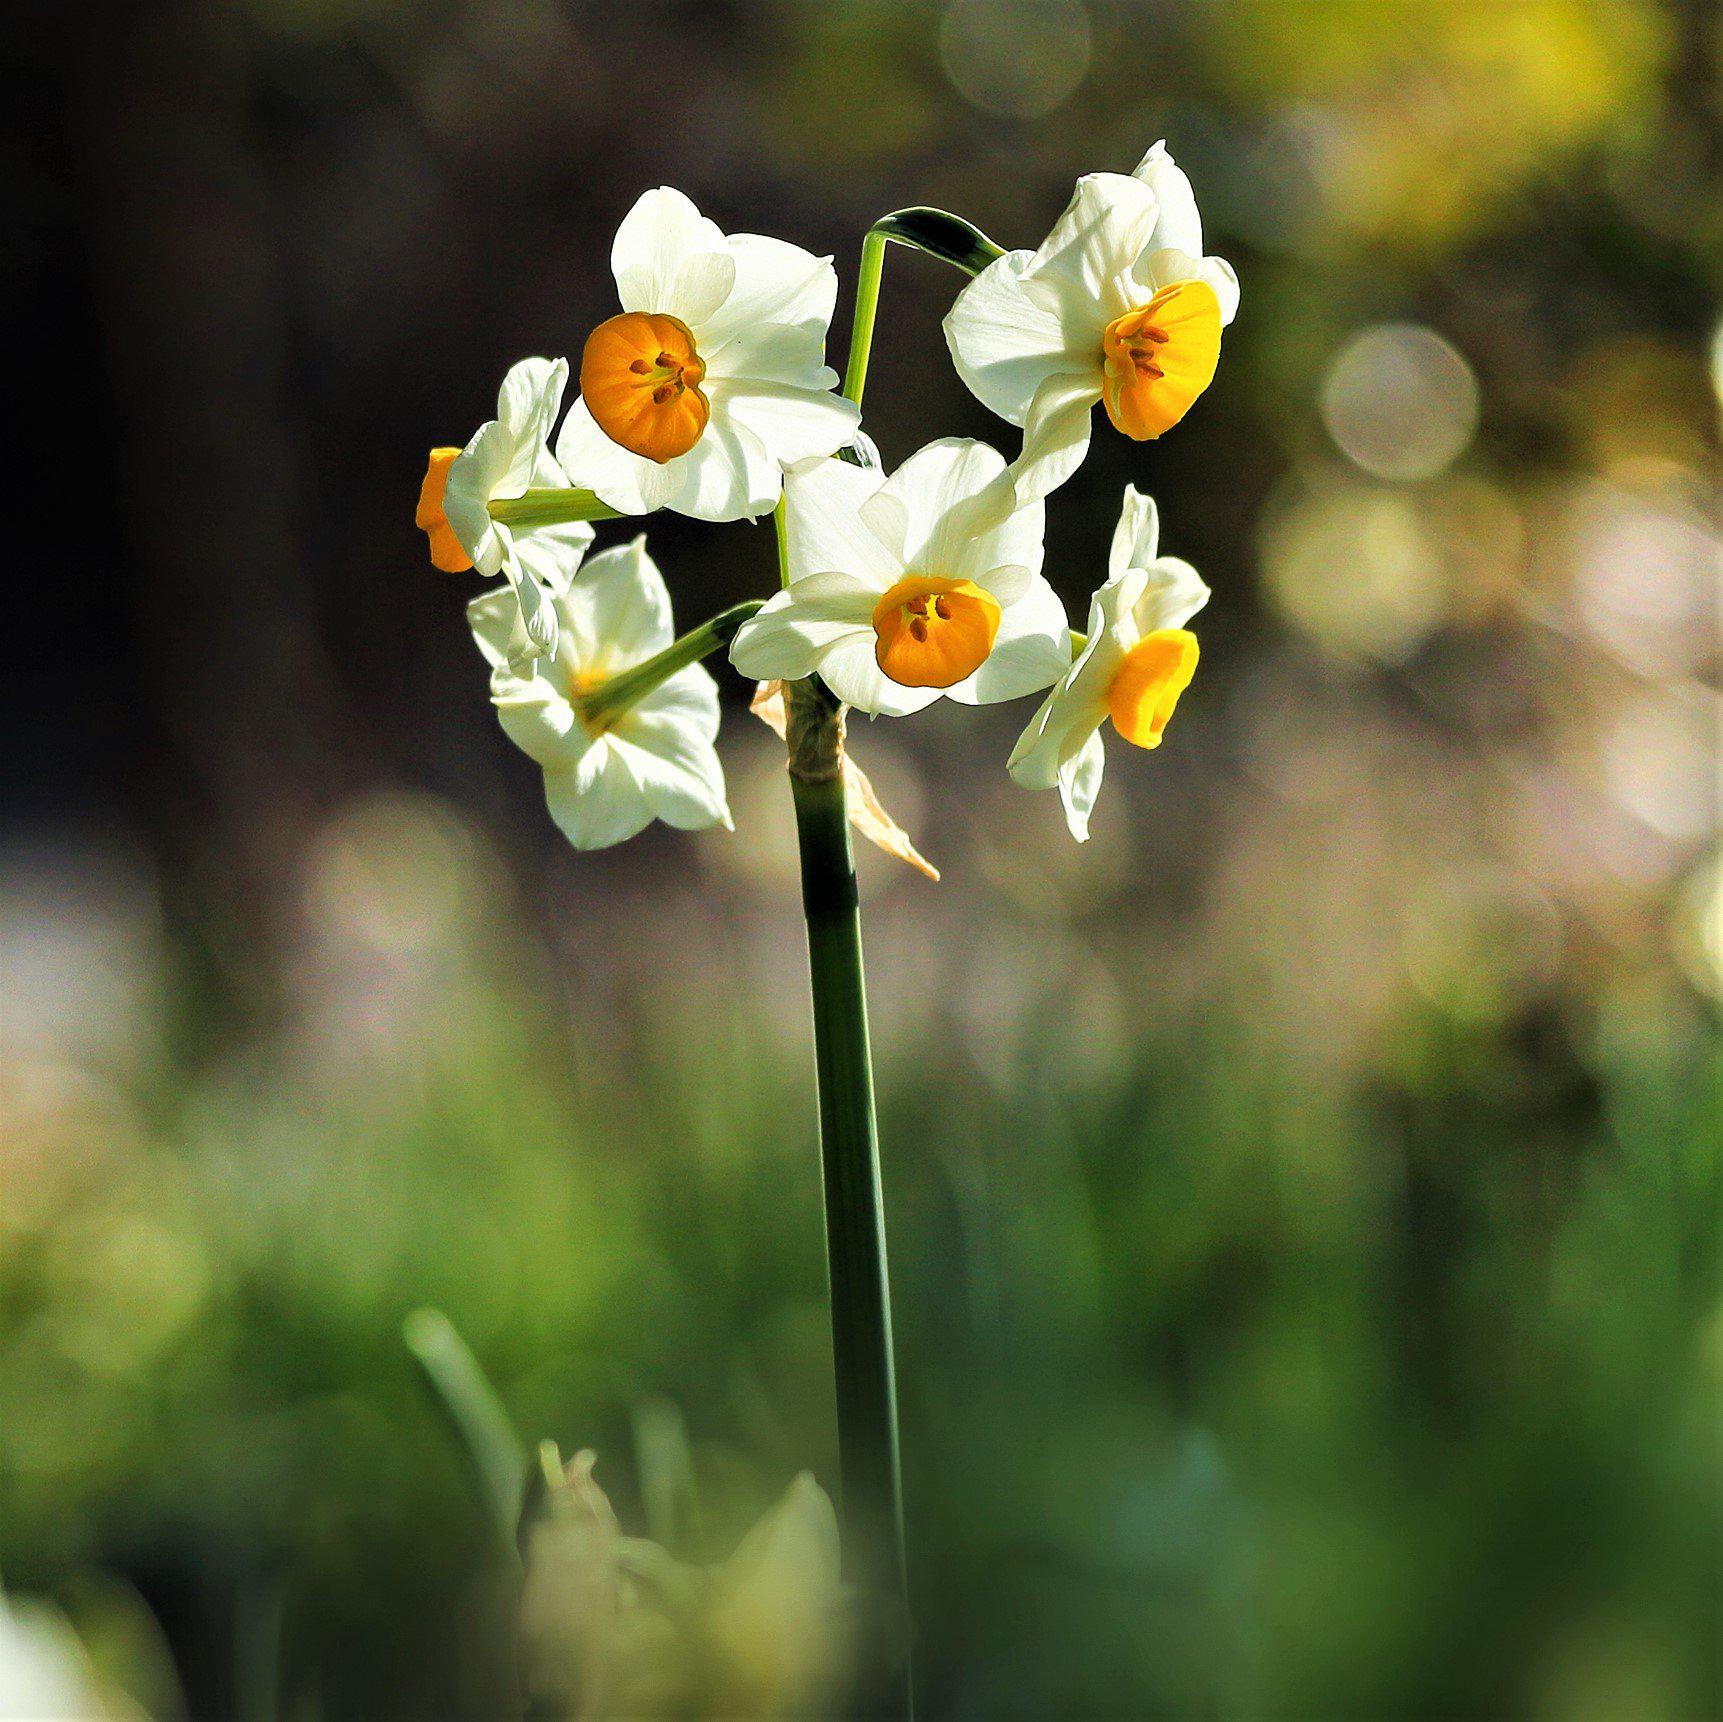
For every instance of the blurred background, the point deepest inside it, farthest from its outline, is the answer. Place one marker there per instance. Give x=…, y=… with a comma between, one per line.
x=1304, y=1200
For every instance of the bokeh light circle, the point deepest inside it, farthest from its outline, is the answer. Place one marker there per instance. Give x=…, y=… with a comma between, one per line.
x=1357, y=569
x=1017, y=58
x=1401, y=402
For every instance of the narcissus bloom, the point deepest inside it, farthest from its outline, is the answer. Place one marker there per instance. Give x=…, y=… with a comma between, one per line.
x=712, y=380
x=1119, y=306
x=507, y=456
x=1138, y=659
x=906, y=588
x=607, y=774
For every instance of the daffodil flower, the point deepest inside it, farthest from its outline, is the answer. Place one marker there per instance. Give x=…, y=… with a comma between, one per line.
x=712, y=381
x=507, y=456
x=905, y=588
x=610, y=768
x=1119, y=306
x=1138, y=658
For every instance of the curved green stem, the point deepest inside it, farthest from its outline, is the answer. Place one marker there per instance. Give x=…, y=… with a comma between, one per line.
x=948, y=237
x=607, y=702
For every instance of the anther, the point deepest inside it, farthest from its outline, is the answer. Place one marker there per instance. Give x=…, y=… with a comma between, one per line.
x=918, y=629
x=662, y=393
x=640, y=367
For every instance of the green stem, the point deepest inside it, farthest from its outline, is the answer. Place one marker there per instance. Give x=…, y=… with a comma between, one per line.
x=948, y=237
x=549, y=506
x=606, y=703
x=855, y=1211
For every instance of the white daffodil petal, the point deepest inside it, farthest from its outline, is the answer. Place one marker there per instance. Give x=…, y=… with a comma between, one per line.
x=623, y=480
x=1031, y=651
x=702, y=284
x=495, y=620
x=1055, y=435
x=473, y=479
x=943, y=499
x=1178, y=223
x=675, y=767
x=1006, y=339
x=775, y=283
x=688, y=700
x=667, y=257
x=787, y=639
x=1172, y=593
x=794, y=423
x=1137, y=536
x=1095, y=243
x=1080, y=785
x=599, y=801
x=537, y=716
x=616, y=611
x=527, y=405
x=793, y=354
x=999, y=556
x=729, y=474
x=824, y=528
x=1034, y=761
x=538, y=613
x=1055, y=735
x=850, y=670
x=1084, y=690
x=684, y=786
x=551, y=555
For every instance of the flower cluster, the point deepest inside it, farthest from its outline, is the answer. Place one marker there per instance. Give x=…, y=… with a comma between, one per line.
x=708, y=394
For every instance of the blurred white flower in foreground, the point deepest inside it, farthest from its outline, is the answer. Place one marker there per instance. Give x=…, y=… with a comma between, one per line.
x=905, y=588
x=44, y=1671
x=713, y=379
x=507, y=456
x=607, y=773
x=1119, y=305
x=1138, y=659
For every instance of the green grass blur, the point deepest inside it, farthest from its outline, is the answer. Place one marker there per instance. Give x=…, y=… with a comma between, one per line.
x=1304, y=1201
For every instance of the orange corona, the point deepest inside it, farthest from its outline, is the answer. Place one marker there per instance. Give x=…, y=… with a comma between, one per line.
x=931, y=632
x=1146, y=686
x=640, y=376
x=1159, y=358
x=446, y=549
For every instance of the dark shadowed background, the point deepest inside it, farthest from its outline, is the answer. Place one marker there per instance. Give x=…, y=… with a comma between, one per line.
x=1304, y=1199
